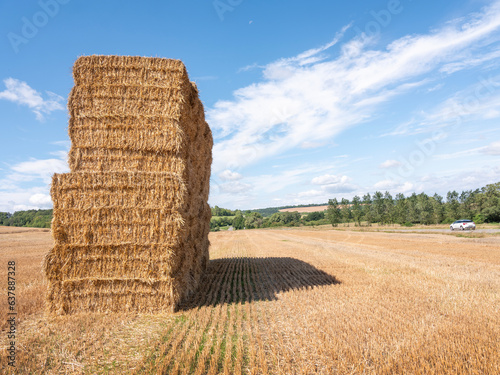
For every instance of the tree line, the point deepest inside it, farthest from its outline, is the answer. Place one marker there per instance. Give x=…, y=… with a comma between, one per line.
x=29, y=218
x=251, y=220
x=480, y=205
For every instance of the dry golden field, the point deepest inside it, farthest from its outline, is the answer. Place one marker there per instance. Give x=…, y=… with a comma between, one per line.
x=282, y=302
x=305, y=209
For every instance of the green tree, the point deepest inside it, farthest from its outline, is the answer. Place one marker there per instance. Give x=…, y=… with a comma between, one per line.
x=452, y=205
x=425, y=209
x=466, y=199
x=388, y=214
x=378, y=207
x=357, y=210
x=239, y=222
x=4, y=218
x=412, y=212
x=400, y=209
x=491, y=205
x=314, y=216
x=367, y=208
x=285, y=218
x=333, y=214
x=437, y=208
x=253, y=220
x=345, y=210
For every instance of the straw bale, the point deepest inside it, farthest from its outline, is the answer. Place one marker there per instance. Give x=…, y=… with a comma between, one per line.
x=131, y=219
x=111, y=225
x=113, y=295
x=122, y=133
x=99, y=261
x=127, y=70
x=85, y=190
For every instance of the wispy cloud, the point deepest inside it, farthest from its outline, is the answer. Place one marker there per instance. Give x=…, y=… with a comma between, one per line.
x=393, y=186
x=390, y=164
x=21, y=93
x=492, y=148
x=25, y=185
x=460, y=154
x=479, y=101
x=228, y=175
x=234, y=187
x=39, y=169
x=248, y=67
x=310, y=98
x=334, y=184
x=471, y=62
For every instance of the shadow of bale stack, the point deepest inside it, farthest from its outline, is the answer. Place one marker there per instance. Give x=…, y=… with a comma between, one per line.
x=131, y=219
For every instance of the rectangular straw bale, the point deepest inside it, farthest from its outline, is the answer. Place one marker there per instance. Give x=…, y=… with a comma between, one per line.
x=127, y=70
x=137, y=261
x=113, y=295
x=131, y=219
x=116, y=224
x=112, y=132
x=85, y=190
x=105, y=160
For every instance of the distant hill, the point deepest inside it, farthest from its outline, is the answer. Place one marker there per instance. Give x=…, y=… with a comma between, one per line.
x=271, y=210
x=305, y=209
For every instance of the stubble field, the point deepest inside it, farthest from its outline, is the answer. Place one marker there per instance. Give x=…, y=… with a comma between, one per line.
x=281, y=302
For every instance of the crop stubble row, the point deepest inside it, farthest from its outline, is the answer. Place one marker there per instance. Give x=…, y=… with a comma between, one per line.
x=269, y=305
x=387, y=312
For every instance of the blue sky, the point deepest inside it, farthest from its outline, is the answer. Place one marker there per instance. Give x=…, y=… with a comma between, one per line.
x=306, y=100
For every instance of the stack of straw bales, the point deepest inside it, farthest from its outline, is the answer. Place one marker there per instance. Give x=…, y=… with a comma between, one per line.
x=131, y=219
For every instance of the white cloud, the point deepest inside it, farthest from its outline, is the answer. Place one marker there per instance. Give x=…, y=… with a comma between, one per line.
x=26, y=185
x=307, y=145
x=406, y=187
x=477, y=102
x=310, y=98
x=390, y=164
x=470, y=62
x=43, y=169
x=492, y=148
x=329, y=179
x=463, y=179
x=435, y=87
x=41, y=200
x=228, y=175
x=21, y=93
x=234, y=187
x=334, y=184
x=386, y=184
x=460, y=154
x=249, y=67
x=311, y=194
x=394, y=186
x=21, y=199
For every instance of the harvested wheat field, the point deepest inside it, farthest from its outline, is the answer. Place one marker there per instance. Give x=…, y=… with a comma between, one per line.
x=305, y=209
x=283, y=302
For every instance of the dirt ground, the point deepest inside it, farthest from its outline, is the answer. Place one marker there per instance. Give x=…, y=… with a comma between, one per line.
x=281, y=301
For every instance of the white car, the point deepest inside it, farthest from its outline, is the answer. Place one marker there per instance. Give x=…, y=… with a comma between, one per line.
x=463, y=225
